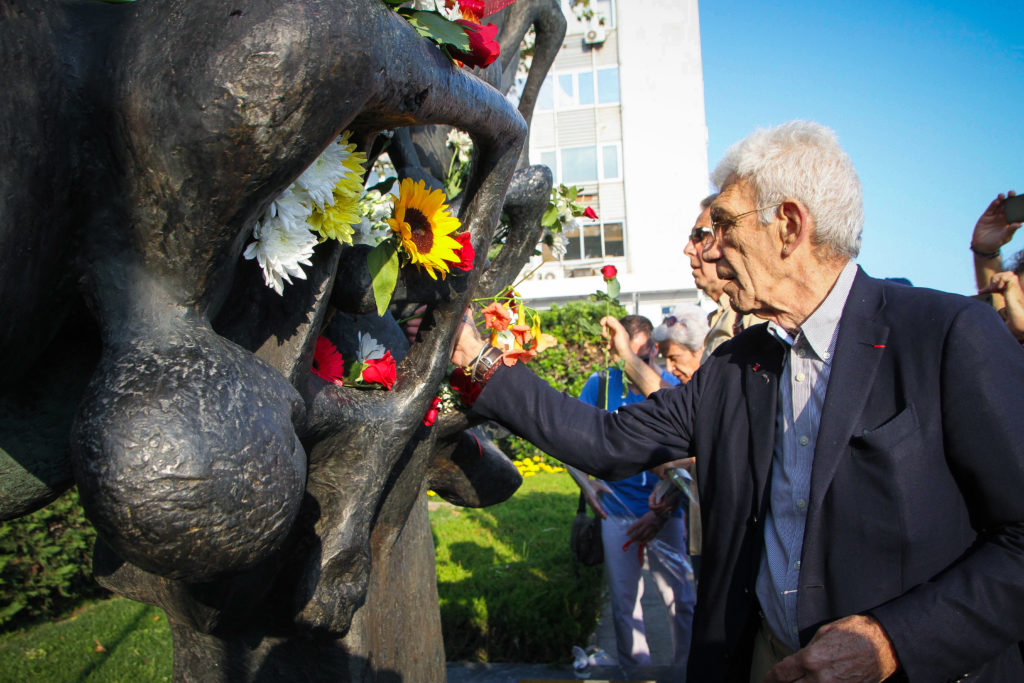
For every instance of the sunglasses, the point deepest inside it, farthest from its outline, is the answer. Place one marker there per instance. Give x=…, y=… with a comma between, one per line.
x=702, y=235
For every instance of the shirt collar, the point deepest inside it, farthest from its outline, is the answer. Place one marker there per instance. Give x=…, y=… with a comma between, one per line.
x=820, y=329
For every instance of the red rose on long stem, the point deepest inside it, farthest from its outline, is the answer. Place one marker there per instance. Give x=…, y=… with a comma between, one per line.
x=328, y=364
x=609, y=273
x=483, y=48
x=466, y=254
x=382, y=371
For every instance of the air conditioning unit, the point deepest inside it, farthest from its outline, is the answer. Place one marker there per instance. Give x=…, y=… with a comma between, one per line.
x=595, y=34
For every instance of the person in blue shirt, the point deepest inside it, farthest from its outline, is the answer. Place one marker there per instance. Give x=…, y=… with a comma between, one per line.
x=630, y=523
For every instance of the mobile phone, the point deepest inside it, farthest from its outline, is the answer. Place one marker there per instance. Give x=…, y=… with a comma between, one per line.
x=1013, y=207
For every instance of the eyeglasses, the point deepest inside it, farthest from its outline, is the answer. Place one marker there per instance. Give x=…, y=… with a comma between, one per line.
x=719, y=225
x=702, y=235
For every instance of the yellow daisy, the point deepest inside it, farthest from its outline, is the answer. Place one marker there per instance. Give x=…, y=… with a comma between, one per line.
x=424, y=227
x=335, y=221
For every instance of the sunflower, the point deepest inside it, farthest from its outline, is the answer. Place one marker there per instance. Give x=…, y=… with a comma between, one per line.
x=424, y=227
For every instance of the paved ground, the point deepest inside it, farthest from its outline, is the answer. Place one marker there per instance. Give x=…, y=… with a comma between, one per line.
x=604, y=638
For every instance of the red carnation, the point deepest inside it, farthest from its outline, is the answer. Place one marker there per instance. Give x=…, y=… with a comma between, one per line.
x=466, y=254
x=328, y=364
x=609, y=273
x=483, y=48
x=382, y=371
x=590, y=213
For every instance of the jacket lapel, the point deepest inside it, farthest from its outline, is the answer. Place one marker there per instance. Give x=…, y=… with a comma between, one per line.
x=858, y=351
x=761, y=388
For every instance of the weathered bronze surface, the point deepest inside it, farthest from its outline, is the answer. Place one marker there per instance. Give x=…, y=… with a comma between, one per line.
x=278, y=520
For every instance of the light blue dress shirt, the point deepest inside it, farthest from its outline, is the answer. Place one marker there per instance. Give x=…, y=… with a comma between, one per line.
x=802, y=388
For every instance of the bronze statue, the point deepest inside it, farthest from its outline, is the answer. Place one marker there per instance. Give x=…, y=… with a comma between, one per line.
x=279, y=520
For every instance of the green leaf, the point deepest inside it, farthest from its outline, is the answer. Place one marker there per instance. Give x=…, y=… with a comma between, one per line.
x=383, y=265
x=550, y=216
x=572, y=193
x=613, y=288
x=589, y=327
x=384, y=186
x=434, y=26
x=353, y=372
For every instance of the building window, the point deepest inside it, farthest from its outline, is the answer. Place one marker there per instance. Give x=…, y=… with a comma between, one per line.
x=572, y=89
x=579, y=164
x=594, y=241
x=546, y=96
x=608, y=85
x=587, y=164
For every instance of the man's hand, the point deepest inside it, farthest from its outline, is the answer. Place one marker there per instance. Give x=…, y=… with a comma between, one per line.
x=664, y=506
x=618, y=338
x=468, y=342
x=1008, y=284
x=992, y=231
x=854, y=649
x=646, y=528
x=593, y=498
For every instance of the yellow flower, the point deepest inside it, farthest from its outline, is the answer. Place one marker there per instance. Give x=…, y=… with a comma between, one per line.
x=424, y=227
x=335, y=220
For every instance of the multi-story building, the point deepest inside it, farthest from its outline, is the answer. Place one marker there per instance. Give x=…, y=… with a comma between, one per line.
x=621, y=115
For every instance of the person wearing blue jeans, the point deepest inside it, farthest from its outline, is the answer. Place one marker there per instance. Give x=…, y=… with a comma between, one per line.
x=630, y=524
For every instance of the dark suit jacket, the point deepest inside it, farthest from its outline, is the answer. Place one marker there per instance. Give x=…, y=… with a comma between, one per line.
x=916, y=512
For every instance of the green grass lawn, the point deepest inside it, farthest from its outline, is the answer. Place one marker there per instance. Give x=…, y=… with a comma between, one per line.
x=505, y=577
x=505, y=581
x=109, y=640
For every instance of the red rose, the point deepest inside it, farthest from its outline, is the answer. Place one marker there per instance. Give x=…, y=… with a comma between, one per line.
x=382, y=371
x=590, y=213
x=466, y=254
x=609, y=273
x=483, y=48
x=431, y=417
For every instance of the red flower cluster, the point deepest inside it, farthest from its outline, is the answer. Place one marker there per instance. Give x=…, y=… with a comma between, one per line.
x=483, y=48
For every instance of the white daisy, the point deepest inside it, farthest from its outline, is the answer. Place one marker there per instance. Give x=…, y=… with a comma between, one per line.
x=283, y=241
x=319, y=179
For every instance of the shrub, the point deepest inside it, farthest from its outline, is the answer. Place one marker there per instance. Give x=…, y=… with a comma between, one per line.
x=46, y=562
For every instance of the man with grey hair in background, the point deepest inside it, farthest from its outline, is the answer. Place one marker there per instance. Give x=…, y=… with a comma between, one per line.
x=858, y=456
x=725, y=323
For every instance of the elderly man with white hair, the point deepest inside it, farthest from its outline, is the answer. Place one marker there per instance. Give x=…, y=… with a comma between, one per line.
x=858, y=456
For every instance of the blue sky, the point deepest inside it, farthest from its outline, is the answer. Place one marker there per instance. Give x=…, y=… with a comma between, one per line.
x=926, y=97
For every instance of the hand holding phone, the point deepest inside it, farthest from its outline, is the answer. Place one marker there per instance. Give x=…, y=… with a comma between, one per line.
x=1013, y=209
